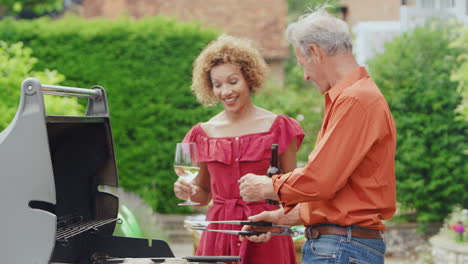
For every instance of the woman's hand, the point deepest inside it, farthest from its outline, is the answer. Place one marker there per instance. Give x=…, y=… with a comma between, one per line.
x=182, y=189
x=199, y=189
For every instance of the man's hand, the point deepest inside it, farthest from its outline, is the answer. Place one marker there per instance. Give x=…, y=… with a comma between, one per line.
x=267, y=216
x=256, y=188
x=276, y=217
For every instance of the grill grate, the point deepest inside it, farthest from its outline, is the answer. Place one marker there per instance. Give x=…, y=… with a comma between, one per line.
x=81, y=227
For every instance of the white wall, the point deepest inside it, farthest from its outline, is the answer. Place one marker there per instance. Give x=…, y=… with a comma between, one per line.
x=446, y=9
x=371, y=36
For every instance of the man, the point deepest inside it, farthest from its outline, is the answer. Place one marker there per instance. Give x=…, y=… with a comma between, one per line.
x=348, y=185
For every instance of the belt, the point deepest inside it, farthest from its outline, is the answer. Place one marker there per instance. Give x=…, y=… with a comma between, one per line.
x=315, y=232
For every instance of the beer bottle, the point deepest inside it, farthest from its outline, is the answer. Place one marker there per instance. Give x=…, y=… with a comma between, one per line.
x=274, y=168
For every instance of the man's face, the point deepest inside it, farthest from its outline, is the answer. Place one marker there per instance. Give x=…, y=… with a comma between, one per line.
x=312, y=69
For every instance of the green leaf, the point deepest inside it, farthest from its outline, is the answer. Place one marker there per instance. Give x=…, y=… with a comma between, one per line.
x=415, y=75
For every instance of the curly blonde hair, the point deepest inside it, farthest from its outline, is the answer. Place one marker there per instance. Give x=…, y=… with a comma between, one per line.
x=227, y=49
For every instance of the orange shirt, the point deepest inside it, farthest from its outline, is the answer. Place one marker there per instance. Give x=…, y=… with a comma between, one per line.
x=350, y=175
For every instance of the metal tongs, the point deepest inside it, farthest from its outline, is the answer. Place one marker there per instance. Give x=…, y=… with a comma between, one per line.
x=203, y=226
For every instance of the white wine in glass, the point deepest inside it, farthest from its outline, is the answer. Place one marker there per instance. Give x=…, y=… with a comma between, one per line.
x=186, y=165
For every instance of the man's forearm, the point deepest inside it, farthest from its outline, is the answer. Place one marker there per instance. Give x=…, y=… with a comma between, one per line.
x=279, y=217
x=268, y=191
x=291, y=218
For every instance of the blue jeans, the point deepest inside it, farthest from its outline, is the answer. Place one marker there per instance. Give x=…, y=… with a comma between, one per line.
x=338, y=249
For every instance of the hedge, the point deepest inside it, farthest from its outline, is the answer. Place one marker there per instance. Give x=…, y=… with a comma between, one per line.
x=17, y=64
x=414, y=74
x=145, y=67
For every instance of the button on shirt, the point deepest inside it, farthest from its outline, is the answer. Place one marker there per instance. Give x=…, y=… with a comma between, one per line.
x=350, y=177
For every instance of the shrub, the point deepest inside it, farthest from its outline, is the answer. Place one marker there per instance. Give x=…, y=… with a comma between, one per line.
x=297, y=8
x=30, y=8
x=461, y=74
x=145, y=67
x=414, y=75
x=302, y=103
x=137, y=216
x=455, y=224
x=17, y=64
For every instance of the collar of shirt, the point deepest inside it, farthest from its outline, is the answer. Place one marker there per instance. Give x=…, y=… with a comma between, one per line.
x=352, y=77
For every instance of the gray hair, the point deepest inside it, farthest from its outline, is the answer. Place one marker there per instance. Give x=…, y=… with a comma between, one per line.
x=322, y=29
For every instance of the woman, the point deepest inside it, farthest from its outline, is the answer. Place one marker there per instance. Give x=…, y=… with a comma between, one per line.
x=235, y=142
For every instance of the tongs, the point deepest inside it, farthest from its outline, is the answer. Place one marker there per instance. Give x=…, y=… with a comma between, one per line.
x=197, y=259
x=203, y=226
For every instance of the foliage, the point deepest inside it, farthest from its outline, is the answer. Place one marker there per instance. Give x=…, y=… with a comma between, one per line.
x=299, y=99
x=138, y=218
x=145, y=67
x=129, y=226
x=303, y=103
x=30, y=8
x=414, y=75
x=461, y=74
x=301, y=6
x=297, y=8
x=301, y=230
x=456, y=217
x=17, y=64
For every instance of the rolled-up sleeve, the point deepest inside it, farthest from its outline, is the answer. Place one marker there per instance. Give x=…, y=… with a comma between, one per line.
x=348, y=137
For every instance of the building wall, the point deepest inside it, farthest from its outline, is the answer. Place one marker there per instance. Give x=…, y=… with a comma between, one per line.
x=276, y=72
x=263, y=21
x=371, y=10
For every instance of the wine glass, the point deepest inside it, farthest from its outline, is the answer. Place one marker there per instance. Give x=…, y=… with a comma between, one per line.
x=186, y=164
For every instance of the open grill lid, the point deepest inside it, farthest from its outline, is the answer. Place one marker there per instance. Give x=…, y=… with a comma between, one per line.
x=51, y=167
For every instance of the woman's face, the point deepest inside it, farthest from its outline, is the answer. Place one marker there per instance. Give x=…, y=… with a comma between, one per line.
x=230, y=86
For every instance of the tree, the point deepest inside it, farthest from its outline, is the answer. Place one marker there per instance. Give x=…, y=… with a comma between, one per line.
x=297, y=8
x=30, y=8
x=461, y=74
x=414, y=74
x=301, y=100
x=17, y=64
x=145, y=66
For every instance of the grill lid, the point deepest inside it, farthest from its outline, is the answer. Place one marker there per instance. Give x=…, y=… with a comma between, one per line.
x=51, y=167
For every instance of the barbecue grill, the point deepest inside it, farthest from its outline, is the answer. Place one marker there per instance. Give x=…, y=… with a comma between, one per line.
x=51, y=169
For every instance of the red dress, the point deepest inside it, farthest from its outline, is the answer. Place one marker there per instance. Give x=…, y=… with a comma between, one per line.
x=228, y=159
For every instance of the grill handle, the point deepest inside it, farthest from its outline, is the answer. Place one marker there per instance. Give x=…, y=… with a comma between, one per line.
x=69, y=91
x=32, y=91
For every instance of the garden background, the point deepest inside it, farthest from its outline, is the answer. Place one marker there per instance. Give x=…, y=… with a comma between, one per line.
x=145, y=66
